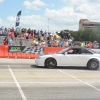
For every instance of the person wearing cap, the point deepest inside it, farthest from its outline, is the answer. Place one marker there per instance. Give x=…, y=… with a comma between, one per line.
x=94, y=44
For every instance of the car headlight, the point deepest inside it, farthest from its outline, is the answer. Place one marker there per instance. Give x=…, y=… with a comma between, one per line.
x=38, y=57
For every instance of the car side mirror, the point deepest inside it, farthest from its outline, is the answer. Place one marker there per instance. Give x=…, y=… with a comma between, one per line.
x=65, y=53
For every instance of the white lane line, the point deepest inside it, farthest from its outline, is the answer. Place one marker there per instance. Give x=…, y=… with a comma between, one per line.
x=79, y=80
x=49, y=82
x=45, y=82
x=6, y=82
x=17, y=84
x=39, y=82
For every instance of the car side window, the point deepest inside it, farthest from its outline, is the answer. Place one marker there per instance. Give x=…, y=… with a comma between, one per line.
x=74, y=51
x=85, y=51
x=70, y=51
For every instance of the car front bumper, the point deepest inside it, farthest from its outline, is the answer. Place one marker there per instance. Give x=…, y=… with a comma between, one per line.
x=39, y=62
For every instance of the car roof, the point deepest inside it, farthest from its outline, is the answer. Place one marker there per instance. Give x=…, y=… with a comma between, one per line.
x=77, y=47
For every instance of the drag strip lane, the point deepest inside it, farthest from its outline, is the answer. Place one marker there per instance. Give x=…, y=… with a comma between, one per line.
x=79, y=80
x=17, y=84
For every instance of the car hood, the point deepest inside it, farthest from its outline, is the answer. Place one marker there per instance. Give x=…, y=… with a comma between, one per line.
x=49, y=54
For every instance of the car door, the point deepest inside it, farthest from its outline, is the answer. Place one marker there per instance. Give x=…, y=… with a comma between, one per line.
x=71, y=59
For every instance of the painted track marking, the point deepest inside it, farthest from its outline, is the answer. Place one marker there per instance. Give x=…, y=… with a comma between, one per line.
x=79, y=80
x=85, y=77
x=17, y=84
x=45, y=82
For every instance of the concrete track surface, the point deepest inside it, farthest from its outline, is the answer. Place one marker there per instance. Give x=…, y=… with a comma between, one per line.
x=20, y=79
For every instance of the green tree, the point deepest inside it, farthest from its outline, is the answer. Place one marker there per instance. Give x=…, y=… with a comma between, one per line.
x=86, y=35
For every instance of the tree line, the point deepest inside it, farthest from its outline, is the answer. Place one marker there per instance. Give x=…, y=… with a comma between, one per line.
x=86, y=35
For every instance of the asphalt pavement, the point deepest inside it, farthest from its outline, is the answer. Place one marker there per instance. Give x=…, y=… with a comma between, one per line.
x=20, y=79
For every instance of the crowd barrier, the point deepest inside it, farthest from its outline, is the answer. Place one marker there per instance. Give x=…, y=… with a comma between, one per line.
x=5, y=54
x=52, y=49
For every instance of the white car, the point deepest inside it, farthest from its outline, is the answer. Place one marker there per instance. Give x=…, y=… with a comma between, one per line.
x=71, y=56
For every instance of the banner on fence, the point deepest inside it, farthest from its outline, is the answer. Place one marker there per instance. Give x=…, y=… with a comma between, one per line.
x=34, y=50
x=24, y=49
x=16, y=48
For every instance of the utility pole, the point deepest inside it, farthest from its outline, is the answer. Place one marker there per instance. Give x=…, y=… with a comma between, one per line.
x=48, y=25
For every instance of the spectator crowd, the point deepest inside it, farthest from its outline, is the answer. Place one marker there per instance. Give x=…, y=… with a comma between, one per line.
x=42, y=38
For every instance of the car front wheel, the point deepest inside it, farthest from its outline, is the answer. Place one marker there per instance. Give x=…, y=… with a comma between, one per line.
x=93, y=64
x=50, y=63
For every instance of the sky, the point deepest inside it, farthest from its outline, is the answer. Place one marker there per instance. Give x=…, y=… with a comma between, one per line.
x=48, y=15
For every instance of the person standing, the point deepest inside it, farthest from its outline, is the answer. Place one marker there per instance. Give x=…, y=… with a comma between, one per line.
x=5, y=41
x=21, y=42
x=10, y=41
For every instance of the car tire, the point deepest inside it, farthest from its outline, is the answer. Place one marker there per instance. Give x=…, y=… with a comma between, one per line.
x=50, y=63
x=93, y=64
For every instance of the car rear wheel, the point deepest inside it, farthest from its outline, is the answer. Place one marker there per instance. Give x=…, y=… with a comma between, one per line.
x=93, y=64
x=50, y=63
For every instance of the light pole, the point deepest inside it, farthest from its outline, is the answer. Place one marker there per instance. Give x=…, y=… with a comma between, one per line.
x=48, y=25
